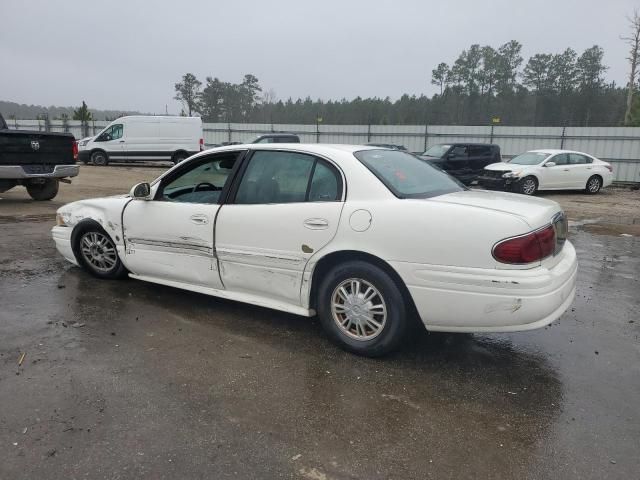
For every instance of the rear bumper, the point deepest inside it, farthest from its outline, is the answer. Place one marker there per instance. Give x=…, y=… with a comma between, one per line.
x=62, y=238
x=59, y=171
x=457, y=299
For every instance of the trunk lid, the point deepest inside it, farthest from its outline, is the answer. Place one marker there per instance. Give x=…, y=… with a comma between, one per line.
x=536, y=212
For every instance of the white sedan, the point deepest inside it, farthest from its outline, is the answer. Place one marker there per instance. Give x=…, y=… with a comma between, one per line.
x=368, y=239
x=548, y=170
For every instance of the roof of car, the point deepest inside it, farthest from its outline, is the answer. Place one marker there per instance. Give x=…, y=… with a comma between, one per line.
x=554, y=151
x=319, y=148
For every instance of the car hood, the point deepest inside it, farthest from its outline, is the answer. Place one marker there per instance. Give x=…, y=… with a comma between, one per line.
x=536, y=212
x=506, y=167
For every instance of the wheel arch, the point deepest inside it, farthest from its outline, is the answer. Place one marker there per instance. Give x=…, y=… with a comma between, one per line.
x=80, y=227
x=98, y=149
x=178, y=152
x=324, y=264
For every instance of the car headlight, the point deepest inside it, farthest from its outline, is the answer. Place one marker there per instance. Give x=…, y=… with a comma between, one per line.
x=510, y=175
x=83, y=143
x=62, y=219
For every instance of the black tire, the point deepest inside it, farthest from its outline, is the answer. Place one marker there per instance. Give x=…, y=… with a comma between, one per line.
x=179, y=157
x=594, y=184
x=395, y=325
x=44, y=191
x=88, y=260
x=100, y=158
x=528, y=185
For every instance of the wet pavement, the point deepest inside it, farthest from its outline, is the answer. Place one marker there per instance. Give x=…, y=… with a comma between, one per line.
x=126, y=379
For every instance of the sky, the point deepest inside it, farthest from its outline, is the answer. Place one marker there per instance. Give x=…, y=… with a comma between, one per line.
x=127, y=55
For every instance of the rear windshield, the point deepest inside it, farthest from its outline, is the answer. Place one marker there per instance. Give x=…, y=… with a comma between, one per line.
x=529, y=158
x=407, y=176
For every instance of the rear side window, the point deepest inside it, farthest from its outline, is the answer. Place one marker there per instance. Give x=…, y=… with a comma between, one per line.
x=459, y=151
x=287, y=177
x=480, y=151
x=407, y=176
x=577, y=159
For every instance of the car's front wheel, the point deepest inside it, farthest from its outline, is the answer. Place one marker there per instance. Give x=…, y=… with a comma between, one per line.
x=100, y=159
x=97, y=253
x=528, y=186
x=362, y=309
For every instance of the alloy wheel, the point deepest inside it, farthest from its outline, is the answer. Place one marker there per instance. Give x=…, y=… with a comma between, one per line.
x=594, y=185
x=359, y=309
x=98, y=251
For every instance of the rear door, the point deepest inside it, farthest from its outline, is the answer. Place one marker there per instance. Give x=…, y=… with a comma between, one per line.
x=580, y=167
x=285, y=207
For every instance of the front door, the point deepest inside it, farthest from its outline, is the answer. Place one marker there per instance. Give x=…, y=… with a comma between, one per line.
x=171, y=236
x=556, y=176
x=285, y=208
x=112, y=141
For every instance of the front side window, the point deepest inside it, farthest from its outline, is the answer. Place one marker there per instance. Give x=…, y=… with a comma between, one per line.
x=562, y=159
x=459, y=151
x=202, y=183
x=114, y=132
x=286, y=177
x=407, y=176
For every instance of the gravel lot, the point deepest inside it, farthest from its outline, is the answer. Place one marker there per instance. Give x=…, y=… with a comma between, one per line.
x=133, y=380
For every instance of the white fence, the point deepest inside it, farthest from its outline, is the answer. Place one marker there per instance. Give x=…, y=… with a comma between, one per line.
x=618, y=145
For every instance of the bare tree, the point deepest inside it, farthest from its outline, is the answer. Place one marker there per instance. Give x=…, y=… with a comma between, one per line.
x=633, y=40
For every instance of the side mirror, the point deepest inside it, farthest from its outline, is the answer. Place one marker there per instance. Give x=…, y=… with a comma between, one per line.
x=141, y=191
x=550, y=164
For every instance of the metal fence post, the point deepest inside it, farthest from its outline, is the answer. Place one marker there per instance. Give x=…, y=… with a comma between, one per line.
x=491, y=134
x=317, y=131
x=426, y=136
x=369, y=132
x=229, y=132
x=564, y=128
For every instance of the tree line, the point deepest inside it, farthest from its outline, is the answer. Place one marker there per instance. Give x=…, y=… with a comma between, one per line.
x=482, y=85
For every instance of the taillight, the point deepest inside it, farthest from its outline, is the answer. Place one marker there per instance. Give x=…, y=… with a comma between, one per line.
x=201, y=144
x=609, y=167
x=528, y=248
x=75, y=150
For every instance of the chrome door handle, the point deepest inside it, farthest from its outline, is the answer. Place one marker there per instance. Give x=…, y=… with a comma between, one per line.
x=121, y=141
x=566, y=169
x=199, y=219
x=316, y=223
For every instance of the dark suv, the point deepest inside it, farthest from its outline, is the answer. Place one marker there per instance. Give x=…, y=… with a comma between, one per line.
x=465, y=161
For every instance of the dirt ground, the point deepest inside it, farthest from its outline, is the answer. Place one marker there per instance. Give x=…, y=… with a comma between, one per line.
x=131, y=380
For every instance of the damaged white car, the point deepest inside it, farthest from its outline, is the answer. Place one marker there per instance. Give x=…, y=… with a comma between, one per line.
x=368, y=239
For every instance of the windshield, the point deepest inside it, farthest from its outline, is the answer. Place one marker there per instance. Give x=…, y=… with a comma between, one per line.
x=407, y=176
x=437, y=151
x=529, y=158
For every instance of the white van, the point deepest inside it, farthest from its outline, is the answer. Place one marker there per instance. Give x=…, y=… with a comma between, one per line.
x=134, y=138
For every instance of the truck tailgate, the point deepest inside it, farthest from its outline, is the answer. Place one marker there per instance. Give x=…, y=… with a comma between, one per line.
x=21, y=147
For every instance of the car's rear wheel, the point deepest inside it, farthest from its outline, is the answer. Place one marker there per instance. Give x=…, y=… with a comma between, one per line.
x=594, y=184
x=97, y=253
x=45, y=190
x=362, y=309
x=100, y=159
x=179, y=157
x=528, y=185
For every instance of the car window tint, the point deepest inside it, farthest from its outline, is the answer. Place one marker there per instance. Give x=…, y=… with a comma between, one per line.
x=479, y=151
x=577, y=159
x=275, y=177
x=202, y=183
x=459, y=151
x=324, y=184
x=561, y=159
